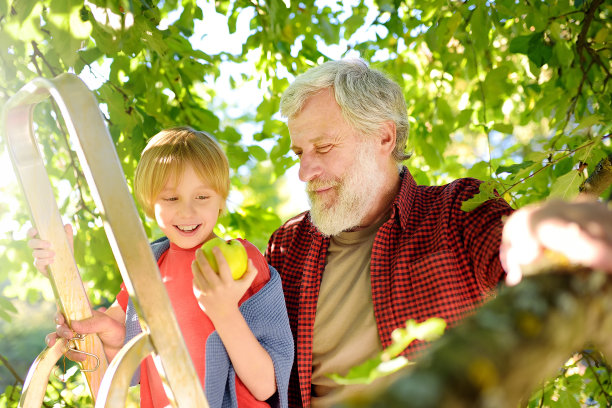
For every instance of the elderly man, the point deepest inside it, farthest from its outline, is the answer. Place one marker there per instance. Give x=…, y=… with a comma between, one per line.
x=375, y=249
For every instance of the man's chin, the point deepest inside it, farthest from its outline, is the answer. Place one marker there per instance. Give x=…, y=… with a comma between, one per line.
x=333, y=224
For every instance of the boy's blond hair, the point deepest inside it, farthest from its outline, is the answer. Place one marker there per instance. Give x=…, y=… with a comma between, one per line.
x=168, y=153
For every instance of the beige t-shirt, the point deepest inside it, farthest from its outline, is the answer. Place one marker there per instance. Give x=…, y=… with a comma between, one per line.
x=345, y=333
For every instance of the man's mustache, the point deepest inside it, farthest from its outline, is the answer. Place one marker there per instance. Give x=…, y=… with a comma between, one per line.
x=314, y=185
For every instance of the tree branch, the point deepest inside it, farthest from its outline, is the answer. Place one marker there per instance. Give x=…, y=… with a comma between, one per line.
x=514, y=342
x=39, y=54
x=600, y=179
x=11, y=369
x=581, y=42
x=77, y=173
x=550, y=163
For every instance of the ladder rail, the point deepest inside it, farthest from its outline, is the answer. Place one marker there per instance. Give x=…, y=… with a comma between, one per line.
x=128, y=240
x=35, y=384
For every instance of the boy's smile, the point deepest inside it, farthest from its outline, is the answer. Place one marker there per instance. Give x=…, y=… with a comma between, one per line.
x=187, y=209
x=187, y=228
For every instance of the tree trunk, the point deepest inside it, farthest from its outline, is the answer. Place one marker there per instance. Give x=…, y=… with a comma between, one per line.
x=499, y=356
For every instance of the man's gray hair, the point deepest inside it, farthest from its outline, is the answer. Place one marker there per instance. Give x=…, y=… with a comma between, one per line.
x=366, y=97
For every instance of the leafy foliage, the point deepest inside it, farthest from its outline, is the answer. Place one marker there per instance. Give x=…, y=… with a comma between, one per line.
x=390, y=360
x=514, y=93
x=570, y=388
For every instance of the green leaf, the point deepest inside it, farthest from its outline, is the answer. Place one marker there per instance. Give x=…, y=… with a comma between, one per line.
x=495, y=83
x=67, y=29
x=387, y=362
x=236, y=155
x=444, y=111
x=513, y=168
x=534, y=45
x=23, y=8
x=371, y=370
x=539, y=51
x=563, y=166
x=229, y=134
x=506, y=128
x=431, y=154
x=463, y=118
x=258, y=153
x=564, y=54
x=588, y=121
x=566, y=186
x=486, y=193
x=479, y=170
x=6, y=309
x=520, y=44
x=480, y=27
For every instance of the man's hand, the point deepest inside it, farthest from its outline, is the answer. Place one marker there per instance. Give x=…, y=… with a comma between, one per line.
x=103, y=322
x=575, y=233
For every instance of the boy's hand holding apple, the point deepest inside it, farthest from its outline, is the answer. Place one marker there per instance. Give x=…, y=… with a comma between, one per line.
x=222, y=273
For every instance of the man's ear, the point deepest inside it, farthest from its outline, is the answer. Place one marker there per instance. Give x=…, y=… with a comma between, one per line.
x=387, y=137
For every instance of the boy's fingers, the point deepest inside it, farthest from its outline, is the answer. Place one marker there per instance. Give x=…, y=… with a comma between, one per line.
x=32, y=232
x=198, y=280
x=250, y=274
x=36, y=243
x=224, y=270
x=204, y=268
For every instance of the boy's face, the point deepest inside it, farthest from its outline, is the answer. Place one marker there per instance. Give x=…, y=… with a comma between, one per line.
x=187, y=211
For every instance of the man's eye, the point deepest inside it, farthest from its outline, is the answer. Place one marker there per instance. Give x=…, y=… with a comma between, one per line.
x=324, y=149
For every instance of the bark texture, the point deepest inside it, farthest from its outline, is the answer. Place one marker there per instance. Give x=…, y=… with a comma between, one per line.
x=499, y=356
x=600, y=179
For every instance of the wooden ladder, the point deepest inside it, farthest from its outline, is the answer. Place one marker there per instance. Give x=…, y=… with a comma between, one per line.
x=161, y=335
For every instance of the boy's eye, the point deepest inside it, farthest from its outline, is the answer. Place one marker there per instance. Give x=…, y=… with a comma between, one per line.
x=202, y=197
x=170, y=199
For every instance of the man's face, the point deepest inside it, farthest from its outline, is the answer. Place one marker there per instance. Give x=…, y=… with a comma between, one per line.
x=339, y=167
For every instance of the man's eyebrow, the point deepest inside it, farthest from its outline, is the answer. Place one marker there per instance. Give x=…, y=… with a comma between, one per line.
x=313, y=141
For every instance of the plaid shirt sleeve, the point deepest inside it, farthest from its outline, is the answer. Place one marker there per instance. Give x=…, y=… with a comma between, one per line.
x=430, y=259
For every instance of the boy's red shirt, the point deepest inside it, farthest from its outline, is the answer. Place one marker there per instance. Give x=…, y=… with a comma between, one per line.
x=175, y=269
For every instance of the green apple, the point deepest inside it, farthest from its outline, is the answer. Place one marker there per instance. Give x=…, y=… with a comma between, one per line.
x=233, y=251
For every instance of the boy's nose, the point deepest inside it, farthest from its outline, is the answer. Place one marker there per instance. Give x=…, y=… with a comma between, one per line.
x=187, y=208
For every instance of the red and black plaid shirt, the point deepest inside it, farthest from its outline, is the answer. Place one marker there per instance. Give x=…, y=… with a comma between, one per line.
x=430, y=259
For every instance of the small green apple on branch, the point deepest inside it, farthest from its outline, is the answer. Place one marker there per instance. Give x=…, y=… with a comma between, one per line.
x=389, y=361
x=233, y=251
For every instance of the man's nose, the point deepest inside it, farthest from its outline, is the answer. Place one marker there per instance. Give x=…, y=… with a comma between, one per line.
x=310, y=167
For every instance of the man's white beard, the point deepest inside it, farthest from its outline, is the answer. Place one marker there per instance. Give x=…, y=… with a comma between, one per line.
x=355, y=194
